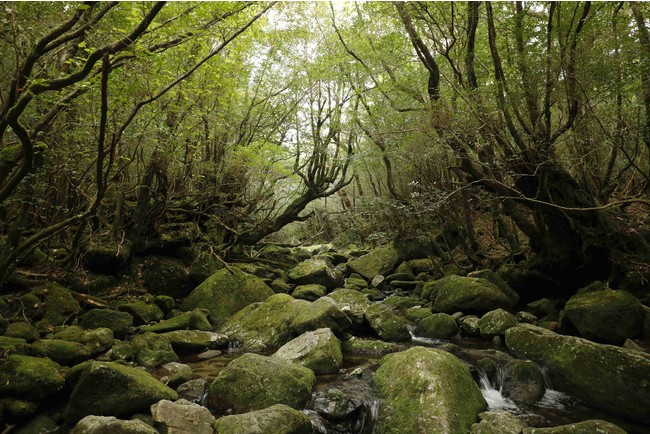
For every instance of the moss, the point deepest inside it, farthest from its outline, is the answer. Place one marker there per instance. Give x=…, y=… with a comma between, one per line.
x=195, y=320
x=353, y=303
x=166, y=276
x=22, y=330
x=380, y=261
x=10, y=345
x=469, y=295
x=417, y=314
x=29, y=377
x=97, y=340
x=496, y=322
x=195, y=340
x=318, y=350
x=309, y=292
x=142, y=312
x=152, y=350
x=322, y=313
x=19, y=409
x=437, y=326
x=585, y=427
x=386, y=323
x=120, y=322
x=277, y=419
x=58, y=306
x=63, y=352
x=370, y=346
x=316, y=270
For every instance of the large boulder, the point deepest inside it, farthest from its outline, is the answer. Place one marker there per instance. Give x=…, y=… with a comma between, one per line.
x=322, y=313
x=605, y=316
x=496, y=322
x=498, y=422
x=380, y=261
x=111, y=425
x=120, y=322
x=601, y=375
x=354, y=303
x=585, y=427
x=469, y=295
x=152, y=350
x=277, y=419
x=226, y=292
x=254, y=382
x=317, y=270
x=437, y=326
x=166, y=276
x=30, y=378
x=96, y=340
x=58, y=305
x=387, y=324
x=66, y=353
x=318, y=350
x=182, y=416
x=111, y=389
x=426, y=390
x=523, y=382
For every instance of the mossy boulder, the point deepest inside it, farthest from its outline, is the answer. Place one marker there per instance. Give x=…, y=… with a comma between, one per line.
x=316, y=270
x=584, y=427
x=498, y=422
x=66, y=353
x=97, y=340
x=599, y=374
x=182, y=416
x=111, y=389
x=494, y=278
x=322, y=313
x=426, y=390
x=15, y=346
x=353, y=303
x=120, y=322
x=417, y=314
x=523, y=382
x=108, y=258
x=58, y=306
x=254, y=382
x=496, y=322
x=195, y=340
x=22, y=330
x=166, y=276
x=30, y=378
x=469, y=326
x=605, y=316
x=468, y=294
x=380, y=261
x=437, y=326
x=277, y=419
x=386, y=323
x=111, y=425
x=194, y=320
x=152, y=350
x=370, y=346
x=142, y=312
x=226, y=292
x=318, y=350
x=310, y=292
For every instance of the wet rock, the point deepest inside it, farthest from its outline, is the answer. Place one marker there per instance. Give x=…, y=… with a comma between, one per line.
x=309, y=292
x=387, y=324
x=111, y=389
x=380, y=261
x=120, y=322
x=469, y=294
x=182, y=417
x=318, y=350
x=142, y=312
x=194, y=390
x=498, y=422
x=29, y=377
x=195, y=340
x=436, y=392
x=585, y=427
x=66, y=353
x=496, y=322
x=254, y=382
x=194, y=320
x=166, y=276
x=523, y=382
x=437, y=326
x=173, y=374
x=111, y=425
x=335, y=405
x=353, y=303
x=224, y=293
x=277, y=419
x=22, y=330
x=605, y=316
x=317, y=270
x=599, y=374
x=97, y=340
x=152, y=350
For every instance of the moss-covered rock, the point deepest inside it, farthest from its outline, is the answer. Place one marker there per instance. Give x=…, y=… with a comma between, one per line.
x=58, y=305
x=370, y=346
x=585, y=427
x=435, y=394
x=195, y=340
x=601, y=375
x=22, y=330
x=15, y=346
x=97, y=340
x=496, y=322
x=544, y=309
x=29, y=377
x=111, y=425
x=173, y=374
x=353, y=303
x=417, y=314
x=166, y=276
x=437, y=326
x=225, y=293
x=386, y=323
x=66, y=353
x=380, y=261
x=523, y=382
x=494, y=278
x=107, y=258
x=120, y=322
x=318, y=350
x=19, y=409
x=467, y=294
x=322, y=313
x=316, y=270
x=254, y=382
x=498, y=422
x=605, y=316
x=152, y=350
x=194, y=320
x=309, y=292
x=277, y=419
x=142, y=312
x=182, y=417
x=111, y=389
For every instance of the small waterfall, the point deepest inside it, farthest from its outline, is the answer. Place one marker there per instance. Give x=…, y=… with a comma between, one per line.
x=554, y=398
x=427, y=342
x=234, y=347
x=371, y=414
x=492, y=393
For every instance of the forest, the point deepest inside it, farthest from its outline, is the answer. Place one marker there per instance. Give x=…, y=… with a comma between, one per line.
x=329, y=217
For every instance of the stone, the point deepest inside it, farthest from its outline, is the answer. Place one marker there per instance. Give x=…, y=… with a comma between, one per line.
x=598, y=374
x=469, y=294
x=253, y=382
x=498, y=422
x=19, y=409
x=417, y=314
x=58, y=305
x=194, y=320
x=318, y=350
x=310, y=292
x=436, y=391
x=437, y=326
x=605, y=316
x=316, y=270
x=96, y=340
x=66, y=353
x=15, y=346
x=166, y=276
x=584, y=427
x=152, y=350
x=40, y=424
x=277, y=419
x=194, y=390
x=526, y=317
x=142, y=312
x=173, y=374
x=107, y=258
x=111, y=425
x=353, y=303
x=523, y=382
x=322, y=313
x=165, y=303
x=111, y=389
x=495, y=323
x=386, y=323
x=544, y=309
x=370, y=346
x=281, y=286
x=335, y=405
x=469, y=326
x=195, y=340
x=225, y=292
x=182, y=417
x=30, y=378
x=120, y=322
x=380, y=261
x=22, y=330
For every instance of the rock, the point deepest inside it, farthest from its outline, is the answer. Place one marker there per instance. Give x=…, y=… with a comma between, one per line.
x=165, y=303
x=166, y=276
x=22, y=330
x=494, y=278
x=108, y=258
x=605, y=316
x=598, y=374
x=224, y=293
x=194, y=390
x=31, y=378
x=142, y=312
x=401, y=302
x=281, y=286
x=318, y=350
x=353, y=303
x=470, y=295
x=523, y=382
x=377, y=281
x=322, y=313
x=40, y=424
x=96, y=340
x=66, y=353
x=173, y=374
x=386, y=323
x=585, y=427
x=382, y=260
x=496, y=322
x=58, y=305
x=418, y=266
x=195, y=340
x=436, y=393
x=417, y=314
x=544, y=309
x=90, y=283
x=498, y=422
x=310, y=292
x=18, y=409
x=182, y=417
x=277, y=419
x=254, y=382
x=120, y=322
x=526, y=317
x=437, y=326
x=469, y=326
x=111, y=389
x=335, y=405
x=193, y=320
x=316, y=270
x=370, y=346
x=111, y=425
x=358, y=283
x=152, y=350
x=631, y=345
